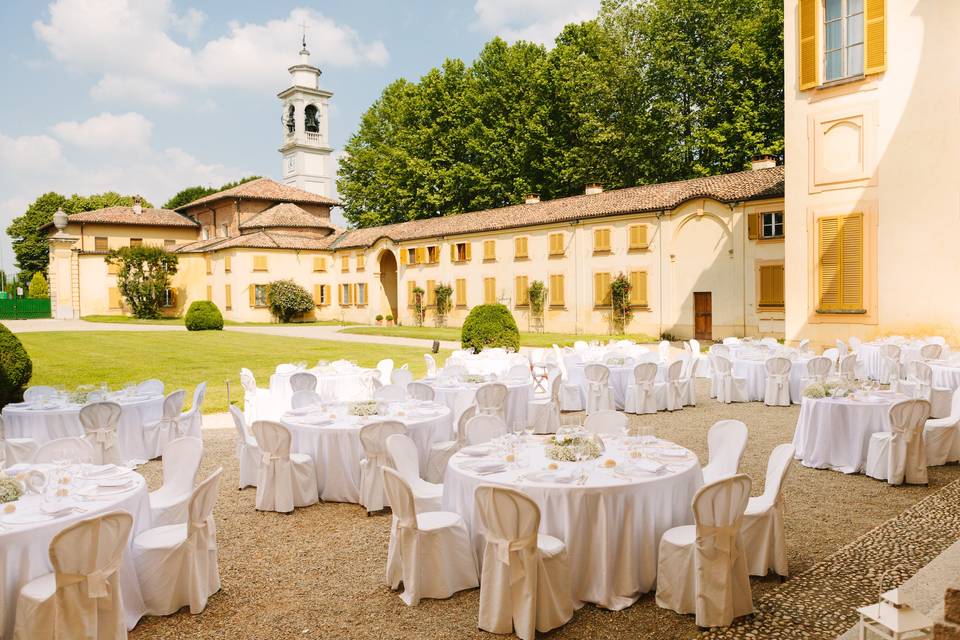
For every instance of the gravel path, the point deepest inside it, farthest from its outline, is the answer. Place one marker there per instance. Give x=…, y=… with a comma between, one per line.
x=318, y=573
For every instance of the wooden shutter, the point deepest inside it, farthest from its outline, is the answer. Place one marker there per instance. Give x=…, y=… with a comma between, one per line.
x=113, y=298
x=210, y=293
x=173, y=298
x=638, y=288
x=601, y=289
x=874, y=36
x=467, y=245
x=638, y=236
x=316, y=294
x=461, y=293
x=345, y=263
x=113, y=268
x=420, y=255
x=753, y=226
x=209, y=263
x=489, y=250
x=771, y=285
x=431, y=293
x=410, y=287
x=556, y=290
x=521, y=295
x=403, y=256
x=489, y=290
x=829, y=274
x=453, y=252
x=319, y=264
x=100, y=244
x=228, y=297
x=556, y=244
x=252, y=289
x=361, y=262
x=851, y=260
x=259, y=263
x=519, y=248
x=601, y=240
x=226, y=264
x=808, y=55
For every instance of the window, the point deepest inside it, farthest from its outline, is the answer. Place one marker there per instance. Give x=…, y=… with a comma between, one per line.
x=224, y=230
x=169, y=298
x=421, y=255
x=259, y=263
x=228, y=298
x=771, y=224
x=345, y=295
x=361, y=296
x=460, y=252
x=411, y=255
x=344, y=263
x=431, y=293
x=520, y=248
x=522, y=291
x=210, y=293
x=258, y=295
x=489, y=249
x=601, y=289
x=556, y=244
x=112, y=268
x=556, y=290
x=226, y=264
x=136, y=242
x=771, y=285
x=209, y=263
x=840, y=268
x=113, y=298
x=321, y=295
x=360, y=262
x=638, y=289
x=489, y=290
x=319, y=264
x=638, y=237
x=410, y=294
x=460, y=292
x=205, y=233
x=601, y=240
x=842, y=39
x=169, y=245
x=433, y=254
x=100, y=244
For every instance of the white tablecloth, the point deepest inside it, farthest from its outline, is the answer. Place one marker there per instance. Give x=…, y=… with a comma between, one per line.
x=482, y=364
x=620, y=379
x=611, y=524
x=755, y=372
x=946, y=376
x=24, y=550
x=332, y=387
x=835, y=433
x=458, y=396
x=337, y=452
x=48, y=424
x=871, y=355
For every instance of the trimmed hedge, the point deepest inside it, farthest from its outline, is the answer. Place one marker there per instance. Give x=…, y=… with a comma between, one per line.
x=16, y=368
x=203, y=315
x=490, y=325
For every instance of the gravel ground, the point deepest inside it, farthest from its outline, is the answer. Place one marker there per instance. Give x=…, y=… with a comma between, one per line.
x=318, y=572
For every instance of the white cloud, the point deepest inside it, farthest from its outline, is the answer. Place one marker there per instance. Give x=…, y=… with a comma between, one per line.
x=106, y=132
x=28, y=153
x=534, y=20
x=131, y=45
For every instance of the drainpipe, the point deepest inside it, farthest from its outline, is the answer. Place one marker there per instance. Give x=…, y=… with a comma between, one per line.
x=660, y=215
x=743, y=273
x=576, y=280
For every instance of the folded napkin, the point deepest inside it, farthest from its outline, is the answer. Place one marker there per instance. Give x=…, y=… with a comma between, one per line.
x=485, y=466
x=57, y=508
x=673, y=453
x=476, y=450
x=304, y=411
x=561, y=476
x=100, y=470
x=645, y=466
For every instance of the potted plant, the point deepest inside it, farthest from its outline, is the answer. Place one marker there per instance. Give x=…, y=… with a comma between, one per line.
x=389, y=319
x=379, y=319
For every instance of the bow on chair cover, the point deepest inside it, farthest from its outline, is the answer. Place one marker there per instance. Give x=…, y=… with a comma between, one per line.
x=373, y=438
x=99, y=421
x=275, y=476
x=907, y=455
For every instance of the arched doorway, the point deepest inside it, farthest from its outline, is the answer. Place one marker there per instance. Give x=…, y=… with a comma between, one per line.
x=388, y=283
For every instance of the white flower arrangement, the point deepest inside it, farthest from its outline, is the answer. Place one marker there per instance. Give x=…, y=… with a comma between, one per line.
x=617, y=362
x=828, y=389
x=10, y=490
x=365, y=408
x=473, y=378
x=568, y=448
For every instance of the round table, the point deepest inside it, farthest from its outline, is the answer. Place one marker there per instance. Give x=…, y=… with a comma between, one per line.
x=621, y=376
x=946, y=376
x=332, y=386
x=871, y=355
x=481, y=364
x=834, y=433
x=26, y=420
x=24, y=548
x=332, y=439
x=755, y=372
x=458, y=396
x=611, y=524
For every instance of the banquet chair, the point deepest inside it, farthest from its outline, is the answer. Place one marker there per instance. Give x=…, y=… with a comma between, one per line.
x=431, y=363
x=544, y=413
x=390, y=393
x=715, y=377
x=441, y=452
x=841, y=349
x=855, y=343
x=401, y=377
x=305, y=398
x=702, y=568
x=899, y=455
x=726, y=441
x=429, y=551
x=731, y=340
x=941, y=436
x=931, y=351
x=688, y=390
x=580, y=345
x=99, y=420
x=255, y=401
x=525, y=583
x=848, y=367
x=177, y=563
x=491, y=400
x=764, y=539
x=420, y=391
x=81, y=597
x=889, y=363
x=385, y=367
x=803, y=344
x=157, y=434
x=38, y=393
x=769, y=342
x=670, y=393
x=74, y=450
x=571, y=397
x=286, y=368
x=729, y=387
x=406, y=461
x=181, y=461
x=663, y=351
x=483, y=428
x=599, y=393
x=701, y=362
x=519, y=372
x=640, y=396
x=607, y=422
x=373, y=439
x=16, y=450
x=247, y=452
x=151, y=387
x=191, y=421
x=284, y=480
x=454, y=371
x=777, y=392
x=919, y=384
x=303, y=381
x=832, y=354
x=818, y=368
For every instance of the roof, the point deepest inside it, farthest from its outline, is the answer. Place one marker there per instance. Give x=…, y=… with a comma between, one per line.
x=125, y=215
x=732, y=187
x=260, y=240
x=286, y=214
x=263, y=189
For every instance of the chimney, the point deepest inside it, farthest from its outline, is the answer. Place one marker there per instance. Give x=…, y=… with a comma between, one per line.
x=137, y=205
x=764, y=161
x=531, y=198
x=593, y=188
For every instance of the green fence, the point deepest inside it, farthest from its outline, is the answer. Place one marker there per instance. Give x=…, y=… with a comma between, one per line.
x=18, y=308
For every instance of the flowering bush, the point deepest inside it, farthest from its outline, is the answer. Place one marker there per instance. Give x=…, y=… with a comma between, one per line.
x=569, y=447
x=287, y=299
x=10, y=490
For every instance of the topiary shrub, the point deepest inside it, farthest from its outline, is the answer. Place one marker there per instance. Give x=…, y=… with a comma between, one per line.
x=288, y=300
x=203, y=315
x=490, y=325
x=15, y=367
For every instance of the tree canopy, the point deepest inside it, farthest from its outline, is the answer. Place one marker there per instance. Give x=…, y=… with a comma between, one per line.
x=143, y=276
x=188, y=195
x=650, y=91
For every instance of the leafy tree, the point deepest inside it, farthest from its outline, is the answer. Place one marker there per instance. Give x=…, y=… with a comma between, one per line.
x=143, y=277
x=443, y=295
x=16, y=368
x=188, y=195
x=621, y=312
x=288, y=299
x=38, y=286
x=489, y=325
x=419, y=306
x=203, y=315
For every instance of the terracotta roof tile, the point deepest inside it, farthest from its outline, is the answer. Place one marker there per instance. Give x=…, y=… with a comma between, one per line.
x=286, y=214
x=125, y=215
x=263, y=189
x=261, y=240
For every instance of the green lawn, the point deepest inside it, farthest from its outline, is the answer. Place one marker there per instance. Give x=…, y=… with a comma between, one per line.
x=182, y=359
x=526, y=339
x=179, y=321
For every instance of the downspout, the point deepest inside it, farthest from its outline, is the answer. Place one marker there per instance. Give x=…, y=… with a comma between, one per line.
x=660, y=215
x=743, y=273
x=576, y=281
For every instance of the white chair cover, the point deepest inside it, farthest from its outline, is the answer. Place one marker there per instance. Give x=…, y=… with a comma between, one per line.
x=777, y=392
x=818, y=369
x=491, y=400
x=429, y=552
x=74, y=450
x=671, y=393
x=431, y=363
x=420, y=391
x=454, y=370
x=803, y=344
x=599, y=393
x=177, y=564
x=385, y=367
x=842, y=350
x=919, y=384
x=889, y=363
x=82, y=597
x=571, y=398
x=15, y=450
x=855, y=343
x=726, y=441
x=544, y=413
x=900, y=456
x=607, y=422
x=373, y=439
x=403, y=454
x=303, y=381
x=702, y=568
x=525, y=584
x=731, y=340
x=848, y=367
x=832, y=355
x=181, y=461
x=151, y=387
x=255, y=400
x=663, y=351
x=729, y=387
x=441, y=452
x=483, y=428
x=763, y=531
x=640, y=396
x=701, y=368
x=931, y=351
x=688, y=391
x=38, y=393
x=248, y=453
x=284, y=480
x=156, y=435
x=305, y=398
x=99, y=420
x=401, y=377
x=191, y=422
x=519, y=372
x=390, y=393
x=941, y=436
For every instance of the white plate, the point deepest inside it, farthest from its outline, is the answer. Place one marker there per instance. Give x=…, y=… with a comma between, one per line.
x=117, y=481
x=25, y=517
x=97, y=492
x=476, y=451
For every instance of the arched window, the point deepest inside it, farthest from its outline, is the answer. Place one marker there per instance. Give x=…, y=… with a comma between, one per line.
x=311, y=119
x=289, y=121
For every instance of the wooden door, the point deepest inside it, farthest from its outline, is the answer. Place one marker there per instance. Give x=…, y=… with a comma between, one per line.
x=703, y=315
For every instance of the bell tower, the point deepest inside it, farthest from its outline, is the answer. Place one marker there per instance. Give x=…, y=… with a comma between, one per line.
x=305, y=147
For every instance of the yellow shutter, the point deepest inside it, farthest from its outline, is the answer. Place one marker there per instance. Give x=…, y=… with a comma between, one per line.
x=420, y=255
x=361, y=262
x=852, y=261
x=209, y=263
x=316, y=294
x=210, y=293
x=638, y=288
x=259, y=263
x=638, y=236
x=173, y=297
x=410, y=287
x=319, y=264
x=519, y=248
x=753, y=226
x=226, y=264
x=467, y=245
x=556, y=244
x=453, y=252
x=345, y=263
x=829, y=269
x=253, y=295
x=556, y=290
x=403, y=256
x=808, y=56
x=489, y=250
x=874, y=36
x=461, y=293
x=771, y=285
x=113, y=298
x=431, y=293
x=489, y=290
x=601, y=240
x=601, y=289
x=227, y=298
x=113, y=268
x=522, y=289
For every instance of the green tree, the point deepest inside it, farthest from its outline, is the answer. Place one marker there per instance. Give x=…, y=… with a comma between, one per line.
x=288, y=300
x=143, y=277
x=38, y=286
x=188, y=195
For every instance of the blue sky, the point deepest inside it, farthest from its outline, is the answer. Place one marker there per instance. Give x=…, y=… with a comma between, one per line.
x=150, y=96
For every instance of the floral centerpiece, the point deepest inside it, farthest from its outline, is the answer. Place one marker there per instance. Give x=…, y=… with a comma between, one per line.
x=10, y=490
x=616, y=362
x=573, y=446
x=473, y=378
x=82, y=394
x=828, y=389
x=365, y=408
